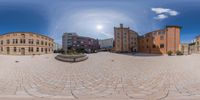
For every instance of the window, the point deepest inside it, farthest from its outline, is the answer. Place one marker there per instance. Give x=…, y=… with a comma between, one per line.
x=42, y=43
x=125, y=46
x=37, y=50
x=162, y=45
x=131, y=42
x=13, y=41
x=23, y=35
x=29, y=41
x=30, y=49
x=1, y=48
x=22, y=41
x=154, y=46
x=38, y=42
x=8, y=41
x=161, y=37
x=8, y=49
x=1, y=42
x=45, y=50
x=16, y=41
x=15, y=49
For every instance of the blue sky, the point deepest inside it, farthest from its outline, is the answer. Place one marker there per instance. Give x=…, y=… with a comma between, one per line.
x=96, y=18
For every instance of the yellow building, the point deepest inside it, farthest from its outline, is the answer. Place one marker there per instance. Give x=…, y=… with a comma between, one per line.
x=25, y=43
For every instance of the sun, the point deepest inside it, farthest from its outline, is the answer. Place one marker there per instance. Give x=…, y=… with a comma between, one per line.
x=99, y=27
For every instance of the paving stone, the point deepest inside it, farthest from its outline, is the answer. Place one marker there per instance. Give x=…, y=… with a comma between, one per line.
x=128, y=77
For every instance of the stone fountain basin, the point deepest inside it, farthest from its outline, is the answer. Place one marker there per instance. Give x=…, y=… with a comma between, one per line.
x=71, y=58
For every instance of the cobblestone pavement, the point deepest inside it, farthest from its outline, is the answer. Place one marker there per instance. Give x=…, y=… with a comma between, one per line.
x=103, y=76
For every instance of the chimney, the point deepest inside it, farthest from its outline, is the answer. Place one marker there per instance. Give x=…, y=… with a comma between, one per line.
x=121, y=25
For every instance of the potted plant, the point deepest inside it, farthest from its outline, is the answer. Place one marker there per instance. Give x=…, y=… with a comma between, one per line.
x=169, y=53
x=179, y=53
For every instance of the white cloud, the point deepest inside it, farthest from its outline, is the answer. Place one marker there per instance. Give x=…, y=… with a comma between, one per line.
x=161, y=16
x=173, y=13
x=163, y=13
x=160, y=10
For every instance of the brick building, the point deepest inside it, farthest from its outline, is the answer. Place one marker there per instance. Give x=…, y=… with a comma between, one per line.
x=160, y=41
x=76, y=42
x=125, y=39
x=25, y=43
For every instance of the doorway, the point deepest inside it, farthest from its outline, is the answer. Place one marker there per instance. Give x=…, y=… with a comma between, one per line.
x=8, y=50
x=22, y=51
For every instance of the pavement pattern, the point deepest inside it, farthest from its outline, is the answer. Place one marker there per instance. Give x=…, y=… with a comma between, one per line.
x=104, y=76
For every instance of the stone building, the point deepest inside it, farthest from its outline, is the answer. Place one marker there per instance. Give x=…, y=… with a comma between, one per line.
x=160, y=41
x=194, y=47
x=125, y=39
x=75, y=42
x=106, y=44
x=57, y=46
x=25, y=43
x=184, y=48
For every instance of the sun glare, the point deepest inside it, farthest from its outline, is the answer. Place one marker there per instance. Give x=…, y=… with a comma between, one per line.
x=99, y=27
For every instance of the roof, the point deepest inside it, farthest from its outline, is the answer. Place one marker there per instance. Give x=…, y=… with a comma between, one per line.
x=25, y=32
x=198, y=36
x=192, y=44
x=184, y=43
x=174, y=26
x=155, y=31
x=162, y=29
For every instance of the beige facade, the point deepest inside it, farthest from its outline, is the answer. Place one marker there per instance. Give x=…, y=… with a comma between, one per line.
x=184, y=48
x=125, y=39
x=195, y=46
x=25, y=43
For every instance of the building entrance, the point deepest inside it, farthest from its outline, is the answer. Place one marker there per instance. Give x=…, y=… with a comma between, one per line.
x=22, y=51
